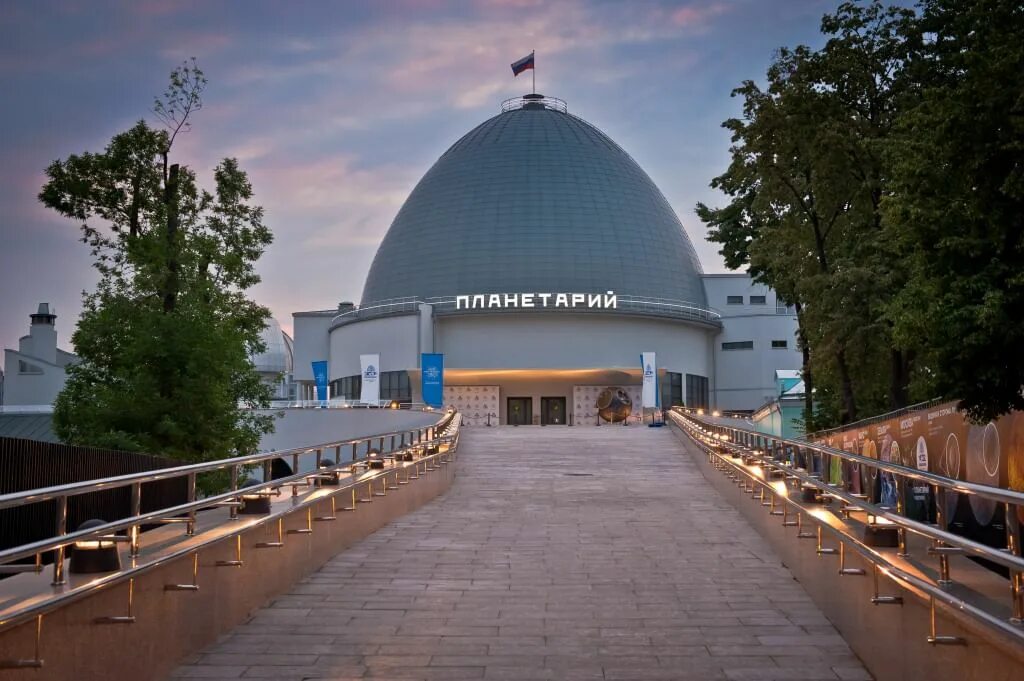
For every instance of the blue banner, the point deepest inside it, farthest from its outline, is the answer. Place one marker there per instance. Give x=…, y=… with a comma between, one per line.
x=432, y=365
x=320, y=375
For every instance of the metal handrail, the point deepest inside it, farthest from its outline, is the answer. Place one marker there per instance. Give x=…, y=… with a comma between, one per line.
x=61, y=493
x=552, y=103
x=753, y=444
x=1009, y=628
x=36, y=607
x=962, y=486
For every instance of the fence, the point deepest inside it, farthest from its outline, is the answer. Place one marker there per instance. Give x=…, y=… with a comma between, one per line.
x=28, y=464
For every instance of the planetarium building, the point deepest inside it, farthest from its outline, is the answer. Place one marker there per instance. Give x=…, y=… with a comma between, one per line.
x=540, y=260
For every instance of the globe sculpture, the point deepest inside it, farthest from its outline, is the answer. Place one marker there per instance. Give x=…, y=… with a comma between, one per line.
x=614, y=405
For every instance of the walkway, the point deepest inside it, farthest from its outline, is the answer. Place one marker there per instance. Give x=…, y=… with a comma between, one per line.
x=559, y=554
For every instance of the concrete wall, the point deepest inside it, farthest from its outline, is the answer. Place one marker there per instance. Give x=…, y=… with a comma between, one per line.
x=568, y=341
x=396, y=339
x=745, y=379
x=31, y=388
x=307, y=427
x=311, y=343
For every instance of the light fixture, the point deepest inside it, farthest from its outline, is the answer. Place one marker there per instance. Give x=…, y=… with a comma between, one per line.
x=700, y=412
x=373, y=459
x=881, y=532
x=329, y=478
x=90, y=556
x=716, y=413
x=395, y=404
x=254, y=502
x=404, y=455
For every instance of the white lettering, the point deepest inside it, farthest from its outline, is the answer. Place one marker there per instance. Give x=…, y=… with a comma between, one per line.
x=611, y=301
x=478, y=301
x=561, y=300
x=527, y=300
x=594, y=300
x=460, y=300
x=544, y=297
x=494, y=300
x=578, y=299
x=511, y=300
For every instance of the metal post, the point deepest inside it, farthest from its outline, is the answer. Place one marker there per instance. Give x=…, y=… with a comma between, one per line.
x=136, y=512
x=901, y=532
x=319, y=458
x=58, y=553
x=1016, y=576
x=295, y=469
x=940, y=520
x=190, y=527
x=233, y=510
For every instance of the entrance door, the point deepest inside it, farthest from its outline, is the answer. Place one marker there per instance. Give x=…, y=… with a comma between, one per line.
x=552, y=411
x=520, y=411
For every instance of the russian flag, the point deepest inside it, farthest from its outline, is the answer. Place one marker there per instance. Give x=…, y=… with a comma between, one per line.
x=522, y=65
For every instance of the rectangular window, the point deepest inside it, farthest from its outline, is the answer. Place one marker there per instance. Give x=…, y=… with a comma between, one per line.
x=734, y=300
x=672, y=390
x=780, y=344
x=738, y=345
x=758, y=300
x=696, y=392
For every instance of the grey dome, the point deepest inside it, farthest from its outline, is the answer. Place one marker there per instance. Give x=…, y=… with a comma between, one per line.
x=535, y=200
x=278, y=356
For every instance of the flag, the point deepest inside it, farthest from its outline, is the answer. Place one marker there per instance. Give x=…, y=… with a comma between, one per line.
x=522, y=65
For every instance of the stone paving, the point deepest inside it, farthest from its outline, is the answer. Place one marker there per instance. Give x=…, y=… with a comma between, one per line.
x=559, y=553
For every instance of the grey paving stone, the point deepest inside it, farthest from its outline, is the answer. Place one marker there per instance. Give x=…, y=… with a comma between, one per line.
x=521, y=572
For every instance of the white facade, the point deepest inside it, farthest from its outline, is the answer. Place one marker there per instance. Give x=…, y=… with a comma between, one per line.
x=751, y=314
x=34, y=374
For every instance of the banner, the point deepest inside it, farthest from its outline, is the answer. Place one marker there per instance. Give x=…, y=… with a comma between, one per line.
x=370, y=393
x=320, y=376
x=432, y=365
x=650, y=369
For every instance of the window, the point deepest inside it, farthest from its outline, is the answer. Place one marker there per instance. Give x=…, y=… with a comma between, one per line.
x=782, y=308
x=738, y=345
x=734, y=300
x=758, y=300
x=781, y=344
x=696, y=392
x=672, y=390
x=26, y=368
x=394, y=385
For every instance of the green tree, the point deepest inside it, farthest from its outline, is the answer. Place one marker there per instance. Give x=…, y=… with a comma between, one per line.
x=956, y=209
x=166, y=336
x=805, y=184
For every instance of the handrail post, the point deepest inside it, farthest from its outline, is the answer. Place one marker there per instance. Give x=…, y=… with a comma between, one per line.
x=136, y=511
x=319, y=458
x=233, y=510
x=190, y=527
x=58, y=553
x=1016, y=576
x=295, y=469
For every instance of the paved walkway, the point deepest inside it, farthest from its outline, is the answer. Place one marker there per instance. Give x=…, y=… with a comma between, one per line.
x=559, y=554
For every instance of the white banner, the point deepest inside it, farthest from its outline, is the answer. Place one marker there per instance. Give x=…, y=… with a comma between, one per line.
x=650, y=370
x=370, y=394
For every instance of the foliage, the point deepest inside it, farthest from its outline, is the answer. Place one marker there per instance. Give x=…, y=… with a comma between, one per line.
x=165, y=338
x=956, y=205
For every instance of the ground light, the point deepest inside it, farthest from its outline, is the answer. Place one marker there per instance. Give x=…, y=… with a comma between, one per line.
x=254, y=502
x=373, y=459
x=329, y=478
x=94, y=555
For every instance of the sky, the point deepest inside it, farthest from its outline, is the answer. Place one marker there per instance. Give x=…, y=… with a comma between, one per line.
x=336, y=109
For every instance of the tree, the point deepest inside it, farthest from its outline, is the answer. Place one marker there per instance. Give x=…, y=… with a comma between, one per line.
x=806, y=183
x=165, y=338
x=955, y=212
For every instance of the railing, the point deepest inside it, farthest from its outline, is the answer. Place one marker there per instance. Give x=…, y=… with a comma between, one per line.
x=790, y=473
x=342, y=403
x=877, y=418
x=428, y=441
x=448, y=305
x=534, y=101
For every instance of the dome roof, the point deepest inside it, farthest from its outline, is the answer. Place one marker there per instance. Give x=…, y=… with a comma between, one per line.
x=277, y=358
x=535, y=200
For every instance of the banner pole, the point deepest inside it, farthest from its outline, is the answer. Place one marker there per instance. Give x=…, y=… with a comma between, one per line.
x=534, y=69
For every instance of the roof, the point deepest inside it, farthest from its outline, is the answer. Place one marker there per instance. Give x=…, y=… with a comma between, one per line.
x=787, y=373
x=28, y=427
x=535, y=200
x=794, y=391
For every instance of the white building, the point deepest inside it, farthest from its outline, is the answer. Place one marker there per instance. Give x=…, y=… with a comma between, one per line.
x=274, y=364
x=35, y=373
x=541, y=260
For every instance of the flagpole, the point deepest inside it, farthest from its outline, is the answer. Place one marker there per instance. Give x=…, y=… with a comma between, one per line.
x=534, y=69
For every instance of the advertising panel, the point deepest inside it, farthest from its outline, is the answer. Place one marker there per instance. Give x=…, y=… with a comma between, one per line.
x=939, y=439
x=320, y=376
x=370, y=393
x=650, y=373
x=432, y=374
